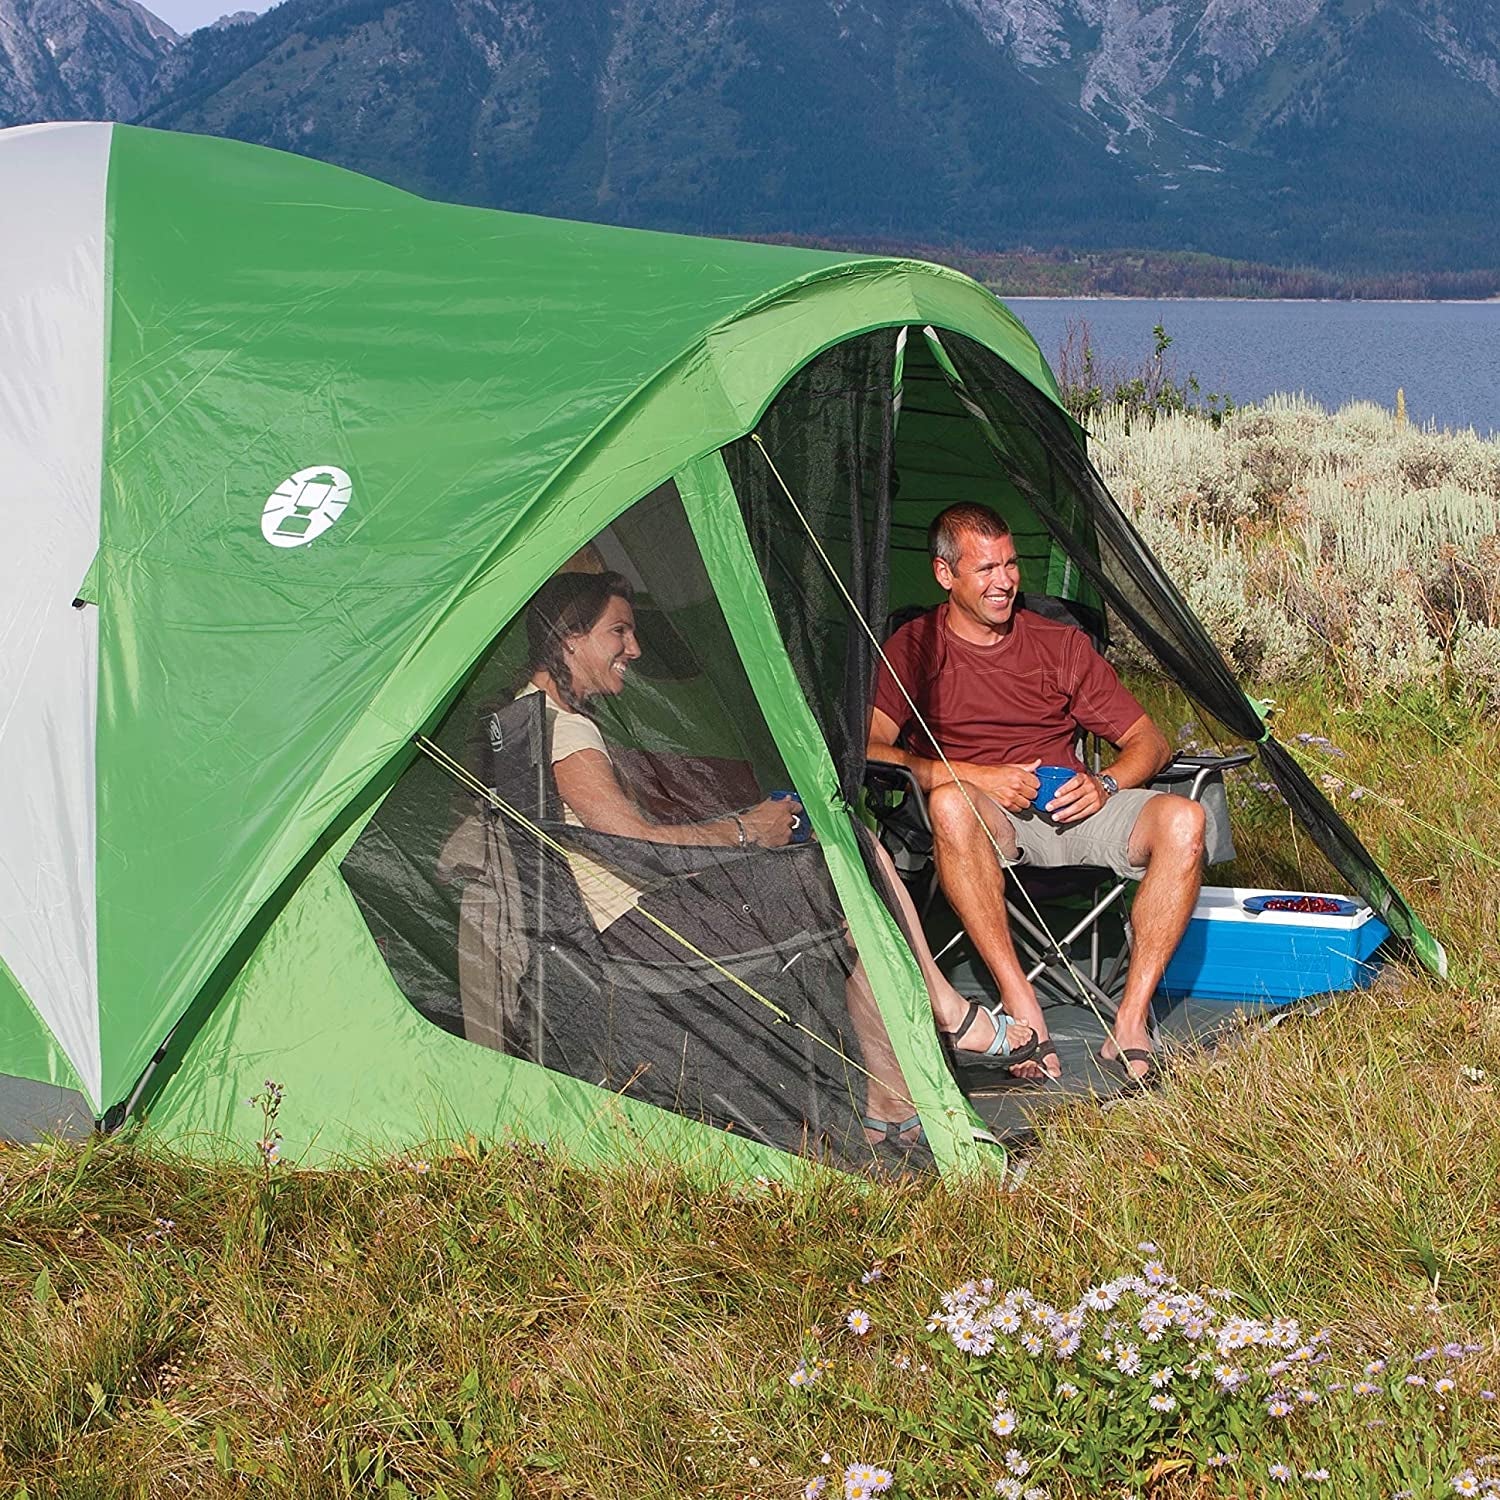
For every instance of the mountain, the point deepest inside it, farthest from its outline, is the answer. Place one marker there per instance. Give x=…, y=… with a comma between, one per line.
x=855, y=115
x=78, y=59
x=1351, y=134
x=1339, y=132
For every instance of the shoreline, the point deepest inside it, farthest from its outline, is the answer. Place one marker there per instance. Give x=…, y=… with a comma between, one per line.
x=1444, y=355
x=1252, y=301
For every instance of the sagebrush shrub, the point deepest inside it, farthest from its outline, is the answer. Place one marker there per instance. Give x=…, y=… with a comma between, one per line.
x=1476, y=661
x=1347, y=544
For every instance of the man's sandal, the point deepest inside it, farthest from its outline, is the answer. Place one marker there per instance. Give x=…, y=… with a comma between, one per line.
x=890, y=1132
x=999, y=1053
x=1044, y=1049
x=1122, y=1060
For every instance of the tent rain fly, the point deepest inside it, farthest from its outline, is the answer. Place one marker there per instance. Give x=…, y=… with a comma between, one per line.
x=305, y=448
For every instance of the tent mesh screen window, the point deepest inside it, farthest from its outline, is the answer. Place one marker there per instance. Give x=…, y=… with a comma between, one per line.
x=605, y=939
x=870, y=441
x=829, y=436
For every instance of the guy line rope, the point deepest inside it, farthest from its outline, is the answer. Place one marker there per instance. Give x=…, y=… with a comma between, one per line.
x=466, y=778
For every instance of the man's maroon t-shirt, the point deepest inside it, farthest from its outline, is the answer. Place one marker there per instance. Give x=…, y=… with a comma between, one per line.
x=1020, y=700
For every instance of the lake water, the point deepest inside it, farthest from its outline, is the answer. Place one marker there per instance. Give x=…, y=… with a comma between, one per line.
x=1445, y=355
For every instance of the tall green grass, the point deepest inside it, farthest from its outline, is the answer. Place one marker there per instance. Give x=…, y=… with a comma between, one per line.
x=502, y=1323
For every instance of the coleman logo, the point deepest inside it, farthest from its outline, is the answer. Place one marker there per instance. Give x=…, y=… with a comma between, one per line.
x=305, y=506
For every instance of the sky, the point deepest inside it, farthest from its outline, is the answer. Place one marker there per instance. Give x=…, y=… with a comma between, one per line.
x=187, y=15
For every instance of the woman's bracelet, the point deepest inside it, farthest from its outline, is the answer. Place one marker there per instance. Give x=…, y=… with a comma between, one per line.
x=740, y=829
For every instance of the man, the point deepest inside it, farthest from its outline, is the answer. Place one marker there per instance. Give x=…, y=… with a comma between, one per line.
x=1004, y=690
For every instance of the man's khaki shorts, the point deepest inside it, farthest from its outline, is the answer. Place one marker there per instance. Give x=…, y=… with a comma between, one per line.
x=1103, y=839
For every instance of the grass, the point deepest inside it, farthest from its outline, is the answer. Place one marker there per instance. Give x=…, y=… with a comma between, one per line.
x=500, y=1323
x=490, y=1323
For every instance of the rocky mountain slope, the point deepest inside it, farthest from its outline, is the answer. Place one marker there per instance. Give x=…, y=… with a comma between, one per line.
x=1349, y=133
x=78, y=59
x=1332, y=131
x=691, y=114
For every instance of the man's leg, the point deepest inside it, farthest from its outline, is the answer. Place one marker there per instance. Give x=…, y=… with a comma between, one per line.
x=949, y=1008
x=1168, y=840
x=974, y=883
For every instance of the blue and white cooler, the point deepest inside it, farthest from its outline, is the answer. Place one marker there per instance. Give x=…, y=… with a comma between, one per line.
x=1273, y=947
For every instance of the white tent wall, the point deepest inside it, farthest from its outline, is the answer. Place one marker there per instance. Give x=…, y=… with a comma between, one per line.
x=53, y=255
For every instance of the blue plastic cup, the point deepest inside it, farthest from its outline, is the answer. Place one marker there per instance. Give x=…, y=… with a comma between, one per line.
x=1051, y=780
x=801, y=829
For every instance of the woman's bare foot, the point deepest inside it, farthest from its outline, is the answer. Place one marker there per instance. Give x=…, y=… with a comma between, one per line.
x=890, y=1119
x=906, y=1134
x=1045, y=1066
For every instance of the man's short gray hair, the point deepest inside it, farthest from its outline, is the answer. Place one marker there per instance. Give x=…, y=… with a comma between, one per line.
x=945, y=535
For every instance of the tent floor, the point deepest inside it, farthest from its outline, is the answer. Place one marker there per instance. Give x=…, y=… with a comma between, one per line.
x=1009, y=1106
x=31, y=1112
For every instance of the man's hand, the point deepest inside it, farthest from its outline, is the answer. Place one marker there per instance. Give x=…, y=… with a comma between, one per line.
x=1012, y=787
x=1078, y=799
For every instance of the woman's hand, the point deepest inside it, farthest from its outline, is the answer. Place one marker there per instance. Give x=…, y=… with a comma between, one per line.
x=769, y=823
x=587, y=783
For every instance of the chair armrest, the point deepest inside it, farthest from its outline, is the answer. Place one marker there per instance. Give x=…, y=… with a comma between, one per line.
x=643, y=859
x=1189, y=765
x=1199, y=771
x=885, y=777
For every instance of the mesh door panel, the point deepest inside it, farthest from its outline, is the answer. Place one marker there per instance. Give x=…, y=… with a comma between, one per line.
x=629, y=939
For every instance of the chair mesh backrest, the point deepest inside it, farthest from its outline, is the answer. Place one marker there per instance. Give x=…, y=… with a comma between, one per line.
x=515, y=760
x=1089, y=620
x=513, y=755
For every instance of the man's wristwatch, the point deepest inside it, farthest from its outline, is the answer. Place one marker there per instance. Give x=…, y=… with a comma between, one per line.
x=1110, y=785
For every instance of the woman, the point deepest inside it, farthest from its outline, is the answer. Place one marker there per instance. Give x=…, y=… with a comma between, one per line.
x=581, y=635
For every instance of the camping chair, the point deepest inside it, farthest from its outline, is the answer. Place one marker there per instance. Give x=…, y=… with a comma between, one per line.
x=679, y=1033
x=899, y=807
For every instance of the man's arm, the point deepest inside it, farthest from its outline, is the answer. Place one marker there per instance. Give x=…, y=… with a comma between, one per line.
x=1012, y=787
x=1144, y=751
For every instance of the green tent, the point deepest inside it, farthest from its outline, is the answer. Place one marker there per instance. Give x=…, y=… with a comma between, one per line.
x=286, y=452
